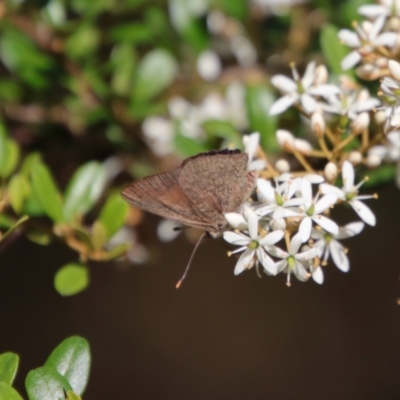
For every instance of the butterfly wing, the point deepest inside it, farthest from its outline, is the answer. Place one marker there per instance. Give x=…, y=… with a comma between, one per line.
x=216, y=183
x=161, y=194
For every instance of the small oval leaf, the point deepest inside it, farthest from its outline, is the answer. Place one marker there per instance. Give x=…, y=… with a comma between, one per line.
x=113, y=214
x=46, y=192
x=71, y=359
x=84, y=189
x=155, y=72
x=71, y=279
x=8, y=367
x=45, y=383
x=19, y=190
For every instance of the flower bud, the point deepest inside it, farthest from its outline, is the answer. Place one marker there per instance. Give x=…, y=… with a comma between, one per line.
x=321, y=75
x=394, y=68
x=373, y=161
x=282, y=165
x=318, y=124
x=330, y=172
x=360, y=123
x=355, y=157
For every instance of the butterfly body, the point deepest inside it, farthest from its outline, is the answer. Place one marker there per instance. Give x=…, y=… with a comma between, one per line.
x=199, y=192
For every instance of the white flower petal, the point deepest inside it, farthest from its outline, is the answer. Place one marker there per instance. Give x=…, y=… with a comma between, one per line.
x=309, y=75
x=236, y=238
x=348, y=176
x=277, y=252
x=388, y=39
x=284, y=83
x=318, y=275
x=271, y=238
x=325, y=202
x=314, y=178
x=266, y=190
x=350, y=60
x=372, y=10
x=349, y=38
x=376, y=27
x=300, y=272
x=350, y=230
x=305, y=229
x=295, y=244
x=326, y=188
x=266, y=262
x=244, y=261
x=307, y=255
x=281, y=265
x=326, y=224
x=339, y=257
x=236, y=221
x=282, y=104
x=364, y=212
x=309, y=103
x=252, y=221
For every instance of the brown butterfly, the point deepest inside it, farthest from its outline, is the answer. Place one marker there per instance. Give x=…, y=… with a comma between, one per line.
x=199, y=192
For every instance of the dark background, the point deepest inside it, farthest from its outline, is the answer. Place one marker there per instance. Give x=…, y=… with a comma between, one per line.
x=219, y=336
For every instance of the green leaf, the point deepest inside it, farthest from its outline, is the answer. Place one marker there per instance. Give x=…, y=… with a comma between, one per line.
x=71, y=358
x=99, y=235
x=117, y=251
x=29, y=163
x=19, y=190
x=8, y=367
x=3, y=147
x=188, y=147
x=333, y=50
x=46, y=192
x=71, y=279
x=123, y=60
x=45, y=383
x=84, y=189
x=8, y=393
x=113, y=214
x=258, y=102
x=224, y=130
x=155, y=72
x=133, y=33
x=83, y=42
x=10, y=161
x=380, y=176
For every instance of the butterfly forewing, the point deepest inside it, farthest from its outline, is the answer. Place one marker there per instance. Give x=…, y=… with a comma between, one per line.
x=199, y=192
x=161, y=194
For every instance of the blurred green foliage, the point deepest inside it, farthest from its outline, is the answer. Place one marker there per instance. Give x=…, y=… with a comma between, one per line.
x=64, y=374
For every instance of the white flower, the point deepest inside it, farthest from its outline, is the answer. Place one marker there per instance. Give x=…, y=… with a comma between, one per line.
x=300, y=91
x=312, y=208
x=280, y=200
x=253, y=245
x=292, y=260
x=349, y=193
x=329, y=245
x=350, y=102
x=364, y=40
x=251, y=143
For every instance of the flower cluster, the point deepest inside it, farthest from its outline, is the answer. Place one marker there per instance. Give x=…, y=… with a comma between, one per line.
x=296, y=211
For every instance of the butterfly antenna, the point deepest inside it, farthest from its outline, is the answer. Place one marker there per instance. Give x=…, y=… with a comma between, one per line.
x=178, y=285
